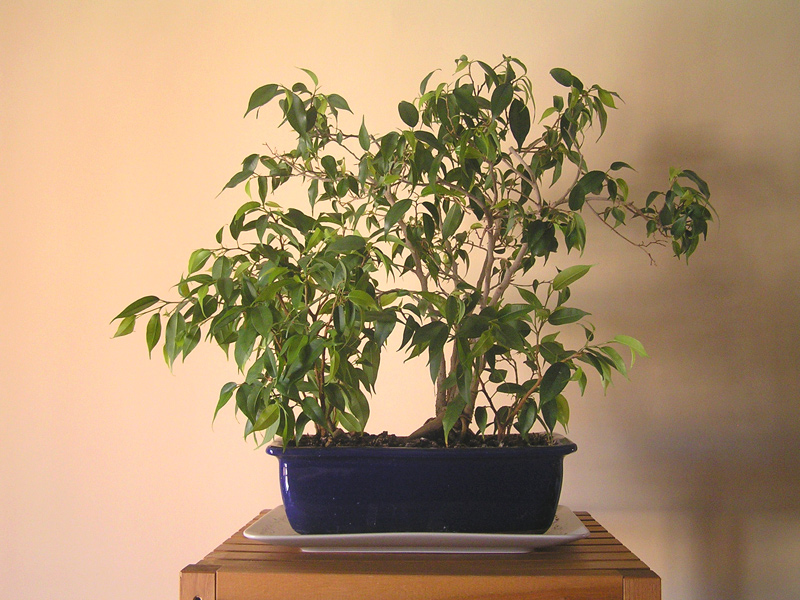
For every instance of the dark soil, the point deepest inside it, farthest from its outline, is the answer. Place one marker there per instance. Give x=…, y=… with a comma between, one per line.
x=388, y=440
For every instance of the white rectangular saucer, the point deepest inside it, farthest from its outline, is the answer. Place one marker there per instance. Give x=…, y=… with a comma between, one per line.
x=273, y=528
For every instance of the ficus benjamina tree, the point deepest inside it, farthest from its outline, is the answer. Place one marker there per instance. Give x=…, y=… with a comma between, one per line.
x=440, y=230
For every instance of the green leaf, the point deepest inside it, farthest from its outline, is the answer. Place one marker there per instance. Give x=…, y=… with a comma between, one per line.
x=363, y=136
x=577, y=197
x=702, y=186
x=564, y=315
x=666, y=215
x=268, y=420
x=337, y=101
x=261, y=96
x=569, y=275
x=501, y=98
x=576, y=233
x=547, y=113
x=452, y=221
x=436, y=351
x=261, y=319
x=423, y=335
x=311, y=74
x=244, y=345
x=313, y=192
x=530, y=298
x=349, y=422
x=526, y=418
x=362, y=299
x=473, y=326
x=346, y=244
x=590, y=183
x=296, y=115
x=408, y=113
x=562, y=76
x=481, y=419
x=428, y=138
x=454, y=310
x=286, y=427
x=198, y=259
x=136, y=307
x=263, y=188
x=465, y=97
x=384, y=326
x=174, y=330
x=508, y=336
x=451, y=415
x=616, y=166
x=358, y=405
x=593, y=182
x=513, y=312
x=554, y=381
x=153, y=333
x=606, y=98
x=339, y=274
x=520, y=120
x=125, y=326
x=615, y=357
x=387, y=298
x=329, y=164
x=485, y=342
x=635, y=346
x=556, y=412
x=424, y=84
x=224, y=395
x=313, y=411
x=237, y=179
x=250, y=163
x=396, y=212
x=490, y=72
x=299, y=220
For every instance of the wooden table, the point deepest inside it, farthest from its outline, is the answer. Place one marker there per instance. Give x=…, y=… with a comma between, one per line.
x=595, y=568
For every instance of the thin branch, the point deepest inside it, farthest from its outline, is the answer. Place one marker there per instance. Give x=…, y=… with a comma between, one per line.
x=420, y=273
x=488, y=263
x=509, y=274
x=641, y=246
x=531, y=179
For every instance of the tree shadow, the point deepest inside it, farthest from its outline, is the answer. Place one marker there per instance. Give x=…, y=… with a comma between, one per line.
x=718, y=439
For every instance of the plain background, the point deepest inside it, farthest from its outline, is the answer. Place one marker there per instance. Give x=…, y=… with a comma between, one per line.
x=120, y=122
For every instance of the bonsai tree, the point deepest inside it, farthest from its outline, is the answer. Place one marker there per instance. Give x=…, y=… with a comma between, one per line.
x=446, y=230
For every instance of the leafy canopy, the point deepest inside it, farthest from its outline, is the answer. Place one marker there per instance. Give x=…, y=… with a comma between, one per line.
x=438, y=229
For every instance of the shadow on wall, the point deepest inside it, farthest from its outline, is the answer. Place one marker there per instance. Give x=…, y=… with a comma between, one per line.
x=719, y=435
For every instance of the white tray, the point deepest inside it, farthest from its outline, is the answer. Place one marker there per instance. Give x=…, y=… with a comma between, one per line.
x=273, y=528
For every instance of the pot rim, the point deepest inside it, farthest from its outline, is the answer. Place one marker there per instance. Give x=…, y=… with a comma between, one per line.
x=561, y=447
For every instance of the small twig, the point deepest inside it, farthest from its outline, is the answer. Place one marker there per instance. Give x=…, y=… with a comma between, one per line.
x=615, y=230
x=509, y=274
x=414, y=253
x=530, y=176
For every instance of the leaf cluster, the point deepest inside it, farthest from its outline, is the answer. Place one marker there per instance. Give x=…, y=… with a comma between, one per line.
x=440, y=229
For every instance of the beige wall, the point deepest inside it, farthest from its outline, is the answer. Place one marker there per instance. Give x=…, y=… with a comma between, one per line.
x=119, y=123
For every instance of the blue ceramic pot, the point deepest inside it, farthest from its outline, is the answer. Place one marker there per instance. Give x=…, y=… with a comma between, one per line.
x=366, y=490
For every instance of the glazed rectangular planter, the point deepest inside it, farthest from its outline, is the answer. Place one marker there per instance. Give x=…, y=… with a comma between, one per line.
x=369, y=490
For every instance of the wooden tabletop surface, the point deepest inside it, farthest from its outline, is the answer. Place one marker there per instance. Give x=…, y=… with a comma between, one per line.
x=594, y=568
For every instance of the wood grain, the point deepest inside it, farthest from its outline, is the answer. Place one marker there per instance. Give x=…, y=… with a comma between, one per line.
x=598, y=567
x=198, y=582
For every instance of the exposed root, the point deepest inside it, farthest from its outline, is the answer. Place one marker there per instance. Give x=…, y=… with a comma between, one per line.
x=433, y=429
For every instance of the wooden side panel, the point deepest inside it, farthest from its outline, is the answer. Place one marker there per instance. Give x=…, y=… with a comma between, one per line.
x=641, y=585
x=198, y=582
x=239, y=585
